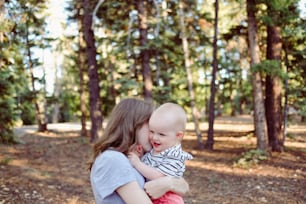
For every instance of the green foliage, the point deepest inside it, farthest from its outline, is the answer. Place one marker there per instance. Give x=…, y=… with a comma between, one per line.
x=118, y=55
x=269, y=67
x=27, y=113
x=295, y=51
x=23, y=32
x=26, y=107
x=251, y=158
x=69, y=106
x=279, y=12
x=7, y=107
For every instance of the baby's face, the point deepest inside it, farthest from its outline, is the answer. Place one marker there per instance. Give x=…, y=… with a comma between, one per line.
x=163, y=134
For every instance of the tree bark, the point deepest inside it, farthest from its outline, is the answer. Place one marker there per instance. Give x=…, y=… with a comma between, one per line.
x=94, y=89
x=286, y=108
x=273, y=90
x=144, y=53
x=211, y=115
x=56, y=91
x=189, y=77
x=258, y=100
x=82, y=69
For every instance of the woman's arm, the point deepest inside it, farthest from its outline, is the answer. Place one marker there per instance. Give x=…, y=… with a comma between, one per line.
x=131, y=193
x=158, y=187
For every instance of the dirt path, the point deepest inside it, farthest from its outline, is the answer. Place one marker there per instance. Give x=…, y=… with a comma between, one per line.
x=51, y=168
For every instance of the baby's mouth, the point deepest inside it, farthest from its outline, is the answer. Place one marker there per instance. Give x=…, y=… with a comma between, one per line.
x=155, y=144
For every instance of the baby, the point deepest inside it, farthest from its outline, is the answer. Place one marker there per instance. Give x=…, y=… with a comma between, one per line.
x=167, y=125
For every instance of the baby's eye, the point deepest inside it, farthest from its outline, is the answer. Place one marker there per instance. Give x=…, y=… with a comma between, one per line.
x=162, y=134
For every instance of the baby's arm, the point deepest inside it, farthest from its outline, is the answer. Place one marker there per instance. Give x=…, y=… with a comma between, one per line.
x=147, y=171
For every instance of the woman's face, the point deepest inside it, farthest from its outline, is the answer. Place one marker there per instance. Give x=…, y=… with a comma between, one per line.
x=143, y=137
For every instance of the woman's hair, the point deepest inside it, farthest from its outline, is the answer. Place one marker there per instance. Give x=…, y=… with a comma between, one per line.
x=120, y=132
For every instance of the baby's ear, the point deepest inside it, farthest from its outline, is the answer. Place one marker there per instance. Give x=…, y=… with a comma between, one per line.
x=180, y=135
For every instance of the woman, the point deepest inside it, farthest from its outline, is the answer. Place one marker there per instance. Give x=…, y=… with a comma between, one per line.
x=113, y=179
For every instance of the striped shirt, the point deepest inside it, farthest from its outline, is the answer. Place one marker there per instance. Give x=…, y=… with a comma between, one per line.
x=170, y=162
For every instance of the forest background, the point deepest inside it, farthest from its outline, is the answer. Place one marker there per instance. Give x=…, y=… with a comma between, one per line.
x=212, y=57
x=237, y=67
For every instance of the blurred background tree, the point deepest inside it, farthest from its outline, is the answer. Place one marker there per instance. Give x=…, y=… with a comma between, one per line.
x=144, y=58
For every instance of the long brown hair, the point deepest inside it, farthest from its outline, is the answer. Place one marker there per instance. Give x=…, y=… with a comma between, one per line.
x=120, y=132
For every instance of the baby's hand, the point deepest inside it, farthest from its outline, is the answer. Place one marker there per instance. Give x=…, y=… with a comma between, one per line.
x=137, y=149
x=134, y=159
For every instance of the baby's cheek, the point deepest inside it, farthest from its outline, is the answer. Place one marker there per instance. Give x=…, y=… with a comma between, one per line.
x=147, y=147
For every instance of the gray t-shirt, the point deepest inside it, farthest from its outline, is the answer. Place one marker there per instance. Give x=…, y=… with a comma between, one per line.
x=111, y=170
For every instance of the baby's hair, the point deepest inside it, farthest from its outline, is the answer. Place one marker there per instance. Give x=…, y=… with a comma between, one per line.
x=177, y=111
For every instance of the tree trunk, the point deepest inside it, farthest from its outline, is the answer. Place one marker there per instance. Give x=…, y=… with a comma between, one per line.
x=258, y=100
x=39, y=108
x=56, y=91
x=144, y=53
x=195, y=112
x=232, y=98
x=81, y=64
x=273, y=89
x=211, y=115
x=242, y=56
x=273, y=113
x=94, y=89
x=285, y=117
x=156, y=34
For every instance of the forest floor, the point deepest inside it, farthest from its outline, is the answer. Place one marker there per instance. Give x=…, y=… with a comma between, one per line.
x=51, y=167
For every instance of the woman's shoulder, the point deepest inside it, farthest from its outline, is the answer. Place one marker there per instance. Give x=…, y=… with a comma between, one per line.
x=112, y=155
x=111, y=152
x=110, y=160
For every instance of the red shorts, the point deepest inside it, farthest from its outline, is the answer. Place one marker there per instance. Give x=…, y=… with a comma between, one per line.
x=169, y=198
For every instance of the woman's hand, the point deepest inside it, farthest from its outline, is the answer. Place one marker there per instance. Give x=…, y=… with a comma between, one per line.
x=158, y=187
